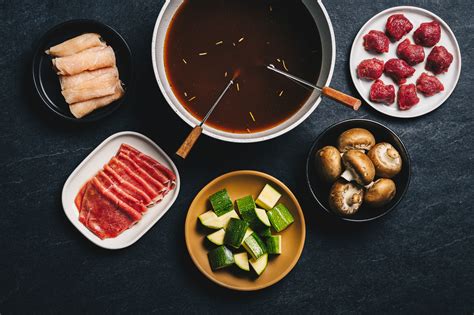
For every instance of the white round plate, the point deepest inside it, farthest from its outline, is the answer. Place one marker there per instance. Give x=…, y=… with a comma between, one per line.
x=416, y=17
x=93, y=163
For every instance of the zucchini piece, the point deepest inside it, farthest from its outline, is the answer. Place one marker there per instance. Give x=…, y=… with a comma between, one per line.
x=225, y=218
x=207, y=216
x=210, y=220
x=268, y=197
x=267, y=232
x=280, y=217
x=254, y=246
x=259, y=265
x=242, y=261
x=247, y=234
x=273, y=244
x=220, y=257
x=247, y=210
x=215, y=222
x=217, y=237
x=234, y=234
x=221, y=203
x=262, y=216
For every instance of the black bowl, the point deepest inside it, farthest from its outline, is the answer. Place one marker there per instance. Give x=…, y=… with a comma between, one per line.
x=320, y=189
x=47, y=82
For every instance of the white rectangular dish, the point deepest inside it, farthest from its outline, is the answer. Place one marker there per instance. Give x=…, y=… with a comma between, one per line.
x=93, y=163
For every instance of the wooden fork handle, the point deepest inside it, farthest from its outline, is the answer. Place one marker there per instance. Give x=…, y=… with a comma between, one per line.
x=342, y=98
x=188, y=144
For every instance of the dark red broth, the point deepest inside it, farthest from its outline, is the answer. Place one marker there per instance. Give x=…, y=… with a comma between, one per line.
x=242, y=36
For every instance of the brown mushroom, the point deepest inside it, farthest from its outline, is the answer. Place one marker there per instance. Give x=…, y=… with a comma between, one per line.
x=345, y=197
x=355, y=139
x=380, y=193
x=386, y=159
x=328, y=163
x=358, y=167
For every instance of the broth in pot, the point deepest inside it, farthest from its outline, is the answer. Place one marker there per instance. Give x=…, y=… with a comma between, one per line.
x=209, y=42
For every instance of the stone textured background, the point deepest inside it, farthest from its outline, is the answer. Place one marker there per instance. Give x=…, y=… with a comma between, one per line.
x=417, y=259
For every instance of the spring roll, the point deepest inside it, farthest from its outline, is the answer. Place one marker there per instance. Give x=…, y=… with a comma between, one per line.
x=76, y=44
x=89, y=59
x=81, y=109
x=95, y=89
x=81, y=80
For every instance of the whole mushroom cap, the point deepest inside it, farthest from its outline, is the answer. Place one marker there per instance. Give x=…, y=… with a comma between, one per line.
x=345, y=197
x=359, y=166
x=355, y=139
x=328, y=163
x=380, y=193
x=386, y=159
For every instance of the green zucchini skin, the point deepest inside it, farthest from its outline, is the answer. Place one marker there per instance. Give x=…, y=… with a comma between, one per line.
x=280, y=217
x=273, y=244
x=246, y=206
x=266, y=232
x=255, y=246
x=220, y=257
x=235, y=232
x=221, y=203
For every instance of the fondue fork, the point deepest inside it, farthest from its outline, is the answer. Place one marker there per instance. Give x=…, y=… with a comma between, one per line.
x=338, y=96
x=193, y=136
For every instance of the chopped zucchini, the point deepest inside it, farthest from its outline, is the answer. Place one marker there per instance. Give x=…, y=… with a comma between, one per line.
x=254, y=246
x=226, y=218
x=280, y=217
x=217, y=237
x=242, y=261
x=268, y=197
x=247, y=210
x=266, y=232
x=211, y=222
x=207, y=216
x=221, y=202
x=262, y=216
x=273, y=244
x=218, y=222
x=235, y=232
x=247, y=234
x=220, y=257
x=259, y=265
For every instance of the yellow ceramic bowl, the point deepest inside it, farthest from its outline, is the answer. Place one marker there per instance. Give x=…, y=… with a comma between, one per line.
x=240, y=184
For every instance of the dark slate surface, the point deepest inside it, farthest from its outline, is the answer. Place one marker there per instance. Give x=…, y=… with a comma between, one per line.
x=419, y=258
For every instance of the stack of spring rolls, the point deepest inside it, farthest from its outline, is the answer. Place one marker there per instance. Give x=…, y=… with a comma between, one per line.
x=87, y=72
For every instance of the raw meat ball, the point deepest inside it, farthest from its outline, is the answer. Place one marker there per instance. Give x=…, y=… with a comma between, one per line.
x=427, y=34
x=381, y=93
x=376, y=41
x=407, y=97
x=412, y=54
x=398, y=26
x=438, y=60
x=429, y=84
x=370, y=69
x=398, y=70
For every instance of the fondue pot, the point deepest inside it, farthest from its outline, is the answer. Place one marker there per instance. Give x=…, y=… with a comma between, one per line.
x=326, y=34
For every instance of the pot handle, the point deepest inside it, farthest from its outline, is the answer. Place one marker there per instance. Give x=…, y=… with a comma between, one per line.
x=342, y=98
x=188, y=144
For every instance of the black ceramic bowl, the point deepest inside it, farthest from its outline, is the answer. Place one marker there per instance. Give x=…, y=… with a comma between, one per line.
x=320, y=189
x=46, y=81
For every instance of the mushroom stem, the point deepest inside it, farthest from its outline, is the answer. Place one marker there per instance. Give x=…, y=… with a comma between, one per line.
x=369, y=185
x=348, y=175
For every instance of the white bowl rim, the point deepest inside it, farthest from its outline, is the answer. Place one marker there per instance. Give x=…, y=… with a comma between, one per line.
x=228, y=137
